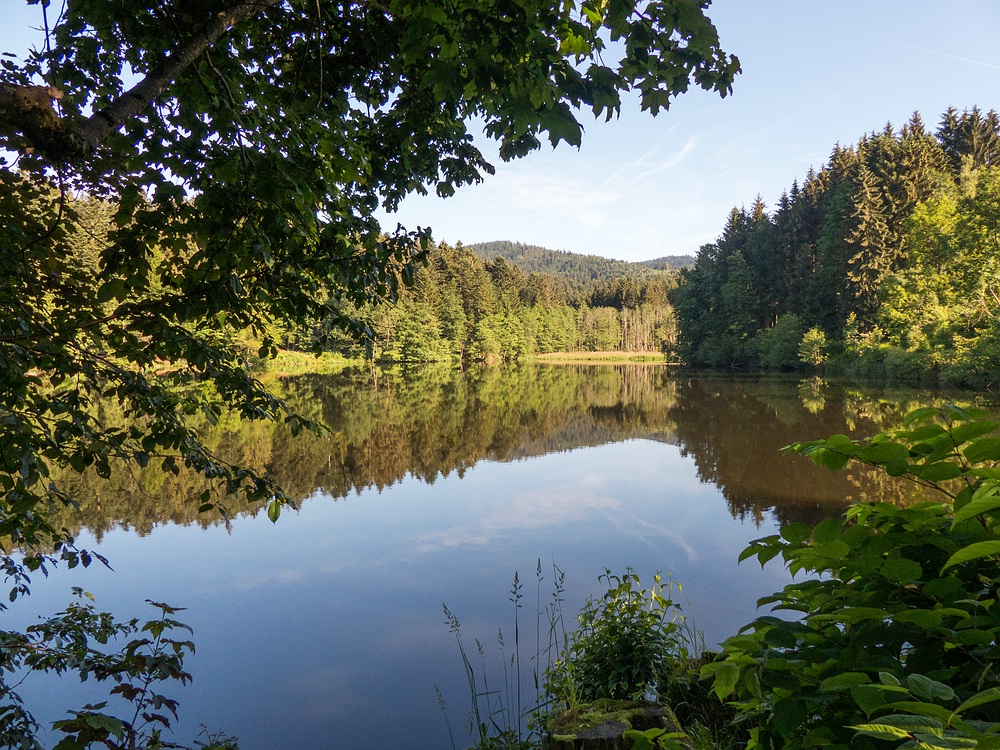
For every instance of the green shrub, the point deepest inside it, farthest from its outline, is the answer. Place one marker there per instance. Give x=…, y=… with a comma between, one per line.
x=897, y=626
x=778, y=347
x=624, y=646
x=812, y=347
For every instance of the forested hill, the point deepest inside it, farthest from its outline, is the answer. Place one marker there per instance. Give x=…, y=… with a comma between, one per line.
x=579, y=270
x=884, y=262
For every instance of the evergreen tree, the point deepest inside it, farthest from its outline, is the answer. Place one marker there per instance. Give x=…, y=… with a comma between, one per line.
x=871, y=244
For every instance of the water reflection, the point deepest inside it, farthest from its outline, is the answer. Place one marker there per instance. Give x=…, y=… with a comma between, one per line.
x=431, y=423
x=734, y=430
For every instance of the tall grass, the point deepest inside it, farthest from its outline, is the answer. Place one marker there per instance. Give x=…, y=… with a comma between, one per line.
x=499, y=717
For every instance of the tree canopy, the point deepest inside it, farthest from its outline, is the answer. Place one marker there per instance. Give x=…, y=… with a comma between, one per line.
x=882, y=262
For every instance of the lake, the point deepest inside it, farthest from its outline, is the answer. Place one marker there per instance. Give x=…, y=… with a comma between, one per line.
x=433, y=487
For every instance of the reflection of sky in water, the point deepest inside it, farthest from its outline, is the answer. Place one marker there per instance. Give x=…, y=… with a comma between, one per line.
x=326, y=629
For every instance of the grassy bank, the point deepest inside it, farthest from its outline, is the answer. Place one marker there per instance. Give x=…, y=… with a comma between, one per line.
x=288, y=363
x=599, y=357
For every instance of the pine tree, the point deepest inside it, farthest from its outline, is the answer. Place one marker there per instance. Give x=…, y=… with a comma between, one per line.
x=871, y=243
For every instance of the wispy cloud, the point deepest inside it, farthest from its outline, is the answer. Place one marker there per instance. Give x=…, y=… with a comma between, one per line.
x=939, y=53
x=645, y=166
x=524, y=510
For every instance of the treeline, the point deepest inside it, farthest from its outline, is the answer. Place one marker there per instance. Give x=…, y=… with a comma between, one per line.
x=465, y=309
x=458, y=307
x=885, y=262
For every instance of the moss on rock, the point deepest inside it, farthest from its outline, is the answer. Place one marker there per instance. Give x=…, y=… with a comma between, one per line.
x=601, y=724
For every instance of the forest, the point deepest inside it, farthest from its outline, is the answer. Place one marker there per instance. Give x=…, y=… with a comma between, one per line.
x=885, y=263
x=463, y=308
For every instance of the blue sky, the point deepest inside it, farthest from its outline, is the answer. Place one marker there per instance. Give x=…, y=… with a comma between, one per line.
x=814, y=74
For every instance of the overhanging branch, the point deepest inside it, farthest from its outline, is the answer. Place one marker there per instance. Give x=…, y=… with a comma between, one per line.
x=28, y=109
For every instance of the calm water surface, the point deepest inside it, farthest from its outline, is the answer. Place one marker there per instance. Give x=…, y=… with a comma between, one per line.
x=326, y=629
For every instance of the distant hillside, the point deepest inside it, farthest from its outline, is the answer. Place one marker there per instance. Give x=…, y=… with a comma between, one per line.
x=579, y=270
x=669, y=262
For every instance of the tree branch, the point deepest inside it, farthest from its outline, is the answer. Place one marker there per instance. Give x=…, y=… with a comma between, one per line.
x=99, y=126
x=28, y=109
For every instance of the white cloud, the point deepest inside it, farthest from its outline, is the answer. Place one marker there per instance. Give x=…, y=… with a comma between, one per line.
x=524, y=510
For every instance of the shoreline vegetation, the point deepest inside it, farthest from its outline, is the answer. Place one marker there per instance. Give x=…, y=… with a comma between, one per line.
x=291, y=363
x=880, y=266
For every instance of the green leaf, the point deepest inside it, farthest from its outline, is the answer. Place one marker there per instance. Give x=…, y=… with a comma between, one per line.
x=901, y=570
x=561, y=125
x=939, y=472
x=913, y=723
x=933, y=742
x=795, y=533
x=926, y=432
x=928, y=689
x=827, y=531
x=931, y=710
x=881, y=731
x=726, y=677
x=971, y=430
x=274, y=511
x=788, y=715
x=974, y=551
x=746, y=643
x=985, y=696
x=985, y=449
x=986, y=499
x=832, y=459
x=973, y=637
x=921, y=415
x=870, y=698
x=928, y=618
x=884, y=453
x=832, y=550
x=852, y=615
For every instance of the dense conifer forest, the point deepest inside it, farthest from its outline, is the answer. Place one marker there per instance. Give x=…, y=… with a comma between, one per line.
x=464, y=308
x=884, y=262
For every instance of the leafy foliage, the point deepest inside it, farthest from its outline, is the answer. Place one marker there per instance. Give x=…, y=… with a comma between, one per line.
x=75, y=640
x=623, y=645
x=897, y=624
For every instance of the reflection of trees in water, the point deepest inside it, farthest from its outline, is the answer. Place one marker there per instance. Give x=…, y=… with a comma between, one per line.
x=435, y=421
x=734, y=429
x=425, y=423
